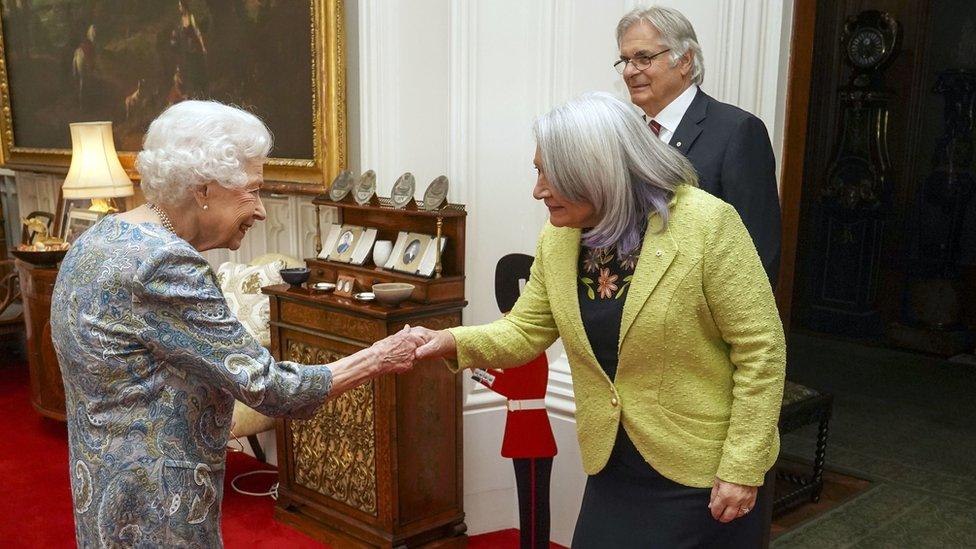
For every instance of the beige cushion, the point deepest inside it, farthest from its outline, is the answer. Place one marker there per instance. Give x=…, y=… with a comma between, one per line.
x=241, y=285
x=246, y=421
x=288, y=261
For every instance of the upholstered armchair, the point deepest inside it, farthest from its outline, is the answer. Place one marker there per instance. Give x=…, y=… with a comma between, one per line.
x=11, y=307
x=241, y=285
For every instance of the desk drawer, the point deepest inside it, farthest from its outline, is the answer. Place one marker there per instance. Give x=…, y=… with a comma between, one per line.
x=332, y=322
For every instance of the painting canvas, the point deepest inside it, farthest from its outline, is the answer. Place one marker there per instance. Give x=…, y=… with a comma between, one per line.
x=127, y=60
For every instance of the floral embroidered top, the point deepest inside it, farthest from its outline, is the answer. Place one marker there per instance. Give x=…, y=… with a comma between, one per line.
x=603, y=278
x=152, y=360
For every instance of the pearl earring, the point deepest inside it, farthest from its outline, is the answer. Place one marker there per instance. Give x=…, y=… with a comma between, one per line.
x=206, y=207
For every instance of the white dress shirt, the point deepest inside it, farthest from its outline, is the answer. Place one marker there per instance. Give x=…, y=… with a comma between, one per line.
x=671, y=116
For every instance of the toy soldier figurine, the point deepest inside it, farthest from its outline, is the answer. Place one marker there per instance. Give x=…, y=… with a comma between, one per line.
x=528, y=436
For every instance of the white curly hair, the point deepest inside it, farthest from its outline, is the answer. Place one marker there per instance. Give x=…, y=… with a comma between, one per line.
x=195, y=142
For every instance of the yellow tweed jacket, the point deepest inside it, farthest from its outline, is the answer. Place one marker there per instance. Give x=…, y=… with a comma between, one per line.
x=702, y=356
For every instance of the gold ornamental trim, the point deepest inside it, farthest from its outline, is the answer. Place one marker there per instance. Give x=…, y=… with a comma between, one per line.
x=335, y=450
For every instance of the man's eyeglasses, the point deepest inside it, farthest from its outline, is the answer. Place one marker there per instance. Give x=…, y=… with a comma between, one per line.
x=641, y=62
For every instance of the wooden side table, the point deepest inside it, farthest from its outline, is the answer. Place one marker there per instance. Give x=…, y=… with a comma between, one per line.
x=46, y=387
x=380, y=466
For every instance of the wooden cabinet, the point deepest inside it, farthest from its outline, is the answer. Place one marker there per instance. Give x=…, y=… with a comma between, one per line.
x=46, y=387
x=379, y=466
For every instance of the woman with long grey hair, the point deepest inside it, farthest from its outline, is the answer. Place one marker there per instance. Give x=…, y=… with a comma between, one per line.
x=670, y=326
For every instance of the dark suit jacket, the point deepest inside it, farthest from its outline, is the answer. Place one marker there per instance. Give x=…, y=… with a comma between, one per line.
x=731, y=151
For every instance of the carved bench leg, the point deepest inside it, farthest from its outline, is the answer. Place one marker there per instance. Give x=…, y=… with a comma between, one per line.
x=820, y=457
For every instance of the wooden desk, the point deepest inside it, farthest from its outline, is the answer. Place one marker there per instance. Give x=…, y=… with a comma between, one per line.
x=46, y=387
x=379, y=466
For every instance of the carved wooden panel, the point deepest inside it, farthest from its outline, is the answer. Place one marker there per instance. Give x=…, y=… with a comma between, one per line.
x=439, y=322
x=335, y=450
x=353, y=327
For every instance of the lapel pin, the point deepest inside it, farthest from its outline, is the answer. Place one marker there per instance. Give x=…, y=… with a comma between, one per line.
x=659, y=253
x=678, y=144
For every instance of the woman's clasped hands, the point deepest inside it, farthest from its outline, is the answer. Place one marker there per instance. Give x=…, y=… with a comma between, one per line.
x=399, y=352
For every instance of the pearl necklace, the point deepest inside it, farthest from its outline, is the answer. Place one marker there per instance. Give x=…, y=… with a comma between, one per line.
x=164, y=219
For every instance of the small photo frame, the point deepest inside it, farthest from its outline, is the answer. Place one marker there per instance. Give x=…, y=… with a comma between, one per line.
x=436, y=194
x=345, y=285
x=67, y=205
x=78, y=221
x=348, y=244
x=341, y=186
x=414, y=253
x=365, y=188
x=403, y=190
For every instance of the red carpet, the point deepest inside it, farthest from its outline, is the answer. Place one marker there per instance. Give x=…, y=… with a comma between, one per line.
x=36, y=508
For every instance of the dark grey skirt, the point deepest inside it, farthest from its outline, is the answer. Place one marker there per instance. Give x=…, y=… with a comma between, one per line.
x=630, y=505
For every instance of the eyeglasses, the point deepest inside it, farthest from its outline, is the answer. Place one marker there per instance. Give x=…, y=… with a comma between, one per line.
x=641, y=62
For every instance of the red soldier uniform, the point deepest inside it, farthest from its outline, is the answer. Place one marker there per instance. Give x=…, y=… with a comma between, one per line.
x=528, y=437
x=528, y=433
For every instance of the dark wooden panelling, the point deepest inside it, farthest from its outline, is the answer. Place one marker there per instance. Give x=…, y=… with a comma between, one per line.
x=907, y=78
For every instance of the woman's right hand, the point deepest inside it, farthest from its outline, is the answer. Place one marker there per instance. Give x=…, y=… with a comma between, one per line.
x=392, y=355
x=437, y=343
x=395, y=354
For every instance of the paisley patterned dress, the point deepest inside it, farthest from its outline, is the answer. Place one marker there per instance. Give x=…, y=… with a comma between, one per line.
x=152, y=360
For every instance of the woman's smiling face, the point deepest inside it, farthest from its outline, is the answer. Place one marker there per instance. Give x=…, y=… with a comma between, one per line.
x=232, y=212
x=562, y=211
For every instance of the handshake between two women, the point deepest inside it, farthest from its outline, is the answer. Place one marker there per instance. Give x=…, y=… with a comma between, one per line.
x=395, y=354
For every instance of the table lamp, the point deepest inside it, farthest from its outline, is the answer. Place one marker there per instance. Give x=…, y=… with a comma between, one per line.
x=95, y=171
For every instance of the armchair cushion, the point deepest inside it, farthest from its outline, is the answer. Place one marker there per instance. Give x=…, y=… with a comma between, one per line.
x=241, y=285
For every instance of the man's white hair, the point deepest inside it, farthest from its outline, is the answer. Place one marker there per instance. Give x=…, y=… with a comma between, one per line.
x=676, y=32
x=195, y=142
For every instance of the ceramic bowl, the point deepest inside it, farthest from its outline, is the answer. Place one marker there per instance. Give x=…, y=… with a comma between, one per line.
x=392, y=294
x=295, y=276
x=46, y=258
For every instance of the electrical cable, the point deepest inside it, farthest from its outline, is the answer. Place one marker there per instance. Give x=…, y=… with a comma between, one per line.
x=272, y=491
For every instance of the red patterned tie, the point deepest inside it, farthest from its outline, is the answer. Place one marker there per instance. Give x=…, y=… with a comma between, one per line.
x=655, y=127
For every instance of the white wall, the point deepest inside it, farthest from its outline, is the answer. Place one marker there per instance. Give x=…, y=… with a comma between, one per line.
x=452, y=86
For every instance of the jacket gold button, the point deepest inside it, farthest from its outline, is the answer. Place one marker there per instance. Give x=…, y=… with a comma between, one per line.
x=613, y=401
x=659, y=253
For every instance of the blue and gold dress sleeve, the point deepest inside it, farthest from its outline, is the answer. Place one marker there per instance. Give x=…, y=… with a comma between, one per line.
x=189, y=330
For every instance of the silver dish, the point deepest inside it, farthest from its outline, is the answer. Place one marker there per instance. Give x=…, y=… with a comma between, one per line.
x=365, y=296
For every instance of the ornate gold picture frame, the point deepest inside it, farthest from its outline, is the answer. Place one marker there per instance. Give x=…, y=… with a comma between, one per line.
x=100, y=70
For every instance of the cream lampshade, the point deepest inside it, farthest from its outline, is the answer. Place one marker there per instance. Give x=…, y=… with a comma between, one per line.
x=95, y=171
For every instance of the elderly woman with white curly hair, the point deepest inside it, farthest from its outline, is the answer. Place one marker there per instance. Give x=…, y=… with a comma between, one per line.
x=152, y=358
x=669, y=322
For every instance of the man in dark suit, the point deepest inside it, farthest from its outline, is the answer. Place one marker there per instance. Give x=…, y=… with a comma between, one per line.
x=661, y=62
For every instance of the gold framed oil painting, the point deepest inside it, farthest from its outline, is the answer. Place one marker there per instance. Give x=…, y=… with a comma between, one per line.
x=65, y=61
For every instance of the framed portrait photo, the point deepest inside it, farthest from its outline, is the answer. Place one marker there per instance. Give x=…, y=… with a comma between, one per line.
x=78, y=221
x=345, y=285
x=414, y=253
x=348, y=244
